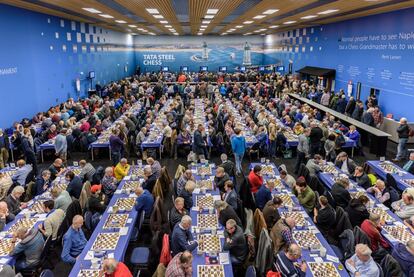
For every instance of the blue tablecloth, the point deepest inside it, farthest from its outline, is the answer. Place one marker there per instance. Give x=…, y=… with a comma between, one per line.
x=47, y=145
x=375, y=166
x=201, y=259
x=119, y=252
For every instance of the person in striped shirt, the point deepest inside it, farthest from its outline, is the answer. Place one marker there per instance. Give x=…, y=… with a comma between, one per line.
x=287, y=262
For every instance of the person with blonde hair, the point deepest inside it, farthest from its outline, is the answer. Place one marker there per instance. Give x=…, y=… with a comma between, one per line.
x=178, y=211
x=61, y=197
x=187, y=194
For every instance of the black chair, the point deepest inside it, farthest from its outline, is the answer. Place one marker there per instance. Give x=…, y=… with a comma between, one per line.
x=391, y=181
x=304, y=171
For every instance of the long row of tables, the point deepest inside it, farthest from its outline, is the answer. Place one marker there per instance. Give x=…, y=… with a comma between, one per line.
x=103, y=139
x=114, y=230
x=394, y=229
x=316, y=251
x=31, y=216
x=403, y=178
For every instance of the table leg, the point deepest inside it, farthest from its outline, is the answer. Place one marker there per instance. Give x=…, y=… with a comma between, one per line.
x=110, y=156
x=352, y=153
x=92, y=153
x=12, y=155
x=41, y=154
x=160, y=153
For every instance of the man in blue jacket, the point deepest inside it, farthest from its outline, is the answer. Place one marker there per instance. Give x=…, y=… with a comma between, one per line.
x=404, y=254
x=238, y=145
x=73, y=241
x=181, y=238
x=145, y=202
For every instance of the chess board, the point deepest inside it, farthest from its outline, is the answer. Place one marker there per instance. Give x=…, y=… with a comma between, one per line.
x=204, y=170
x=382, y=213
x=89, y=273
x=207, y=221
x=207, y=184
x=325, y=269
x=327, y=168
x=139, y=171
x=210, y=271
x=26, y=222
x=125, y=203
x=290, y=136
x=267, y=170
x=37, y=207
x=357, y=194
x=76, y=171
x=399, y=232
x=298, y=216
x=116, y=221
x=9, y=173
x=205, y=202
x=409, y=182
x=306, y=239
x=211, y=243
x=389, y=168
x=61, y=186
x=106, y=241
x=131, y=185
x=287, y=200
x=6, y=246
x=277, y=182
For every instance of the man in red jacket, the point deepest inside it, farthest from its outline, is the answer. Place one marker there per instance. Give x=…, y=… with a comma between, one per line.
x=113, y=268
x=255, y=178
x=372, y=227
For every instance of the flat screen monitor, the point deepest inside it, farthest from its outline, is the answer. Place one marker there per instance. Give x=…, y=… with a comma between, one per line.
x=184, y=68
x=261, y=68
x=280, y=68
x=203, y=68
x=242, y=68
x=223, y=68
x=91, y=74
x=165, y=69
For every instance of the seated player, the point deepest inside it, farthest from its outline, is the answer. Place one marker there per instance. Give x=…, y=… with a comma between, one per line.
x=53, y=220
x=121, y=169
x=113, y=268
x=281, y=233
x=180, y=265
x=404, y=254
x=31, y=246
x=235, y=242
x=145, y=202
x=404, y=208
x=361, y=264
x=177, y=212
x=285, y=262
x=182, y=238
x=5, y=216
x=73, y=241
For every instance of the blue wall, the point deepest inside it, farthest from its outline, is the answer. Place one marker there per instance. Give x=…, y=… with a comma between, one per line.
x=376, y=51
x=39, y=65
x=172, y=51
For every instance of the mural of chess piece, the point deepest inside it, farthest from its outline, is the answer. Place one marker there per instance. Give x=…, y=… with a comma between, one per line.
x=205, y=51
x=247, y=59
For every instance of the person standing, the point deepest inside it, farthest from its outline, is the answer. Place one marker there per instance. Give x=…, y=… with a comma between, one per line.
x=303, y=149
x=403, y=133
x=199, y=143
x=4, y=149
x=238, y=145
x=116, y=145
x=61, y=145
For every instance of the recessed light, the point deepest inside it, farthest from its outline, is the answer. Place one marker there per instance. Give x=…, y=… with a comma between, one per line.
x=203, y=26
x=106, y=15
x=259, y=16
x=273, y=26
x=158, y=16
x=91, y=10
x=199, y=34
x=145, y=31
x=239, y=26
x=176, y=34
x=289, y=22
x=134, y=34
x=270, y=11
x=212, y=11
x=248, y=22
x=164, y=22
x=205, y=21
x=328, y=11
x=120, y=21
x=132, y=26
x=172, y=30
x=209, y=16
x=231, y=30
x=257, y=31
x=246, y=34
x=152, y=11
x=167, y=26
x=309, y=16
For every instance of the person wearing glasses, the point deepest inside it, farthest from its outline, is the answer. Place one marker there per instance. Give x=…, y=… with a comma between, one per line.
x=287, y=263
x=235, y=242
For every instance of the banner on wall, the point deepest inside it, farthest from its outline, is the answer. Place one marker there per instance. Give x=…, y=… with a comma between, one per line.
x=349, y=88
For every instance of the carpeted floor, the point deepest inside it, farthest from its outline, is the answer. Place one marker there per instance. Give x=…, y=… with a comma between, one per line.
x=61, y=269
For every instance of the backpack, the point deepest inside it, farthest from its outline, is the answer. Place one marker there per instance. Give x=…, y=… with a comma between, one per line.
x=410, y=132
x=339, y=141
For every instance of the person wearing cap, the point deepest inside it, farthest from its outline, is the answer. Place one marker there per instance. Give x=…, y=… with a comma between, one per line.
x=404, y=208
x=96, y=203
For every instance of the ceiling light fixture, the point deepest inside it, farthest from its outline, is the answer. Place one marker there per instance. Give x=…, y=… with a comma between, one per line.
x=270, y=11
x=132, y=26
x=231, y=30
x=289, y=22
x=199, y=34
x=152, y=11
x=167, y=26
x=239, y=26
x=273, y=26
x=328, y=11
x=91, y=10
x=176, y=34
x=212, y=11
x=158, y=16
x=203, y=26
x=106, y=15
x=152, y=34
x=309, y=16
x=164, y=22
x=259, y=16
x=246, y=34
x=209, y=16
x=120, y=21
x=248, y=22
x=205, y=21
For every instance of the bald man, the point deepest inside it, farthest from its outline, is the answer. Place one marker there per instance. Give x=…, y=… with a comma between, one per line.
x=281, y=233
x=113, y=268
x=144, y=201
x=5, y=216
x=73, y=241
